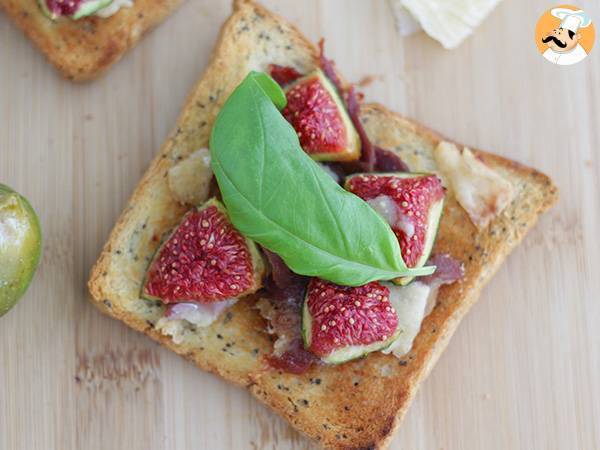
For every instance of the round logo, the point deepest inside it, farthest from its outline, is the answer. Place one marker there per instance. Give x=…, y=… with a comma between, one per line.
x=565, y=35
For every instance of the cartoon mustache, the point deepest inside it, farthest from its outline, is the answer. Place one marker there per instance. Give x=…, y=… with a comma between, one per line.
x=556, y=41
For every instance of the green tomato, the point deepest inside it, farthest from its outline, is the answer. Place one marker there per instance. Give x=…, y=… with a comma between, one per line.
x=20, y=246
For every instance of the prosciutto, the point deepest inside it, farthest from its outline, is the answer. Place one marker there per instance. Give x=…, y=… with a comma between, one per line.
x=283, y=284
x=328, y=68
x=283, y=311
x=448, y=270
x=388, y=161
x=295, y=359
x=285, y=317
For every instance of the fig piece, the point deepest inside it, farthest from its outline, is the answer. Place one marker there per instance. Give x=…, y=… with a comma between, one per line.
x=318, y=115
x=204, y=260
x=283, y=74
x=74, y=9
x=412, y=203
x=341, y=323
x=20, y=247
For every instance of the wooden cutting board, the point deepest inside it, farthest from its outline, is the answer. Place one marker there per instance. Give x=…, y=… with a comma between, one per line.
x=523, y=370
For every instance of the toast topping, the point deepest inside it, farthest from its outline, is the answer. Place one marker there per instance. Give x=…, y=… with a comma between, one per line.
x=447, y=270
x=201, y=315
x=411, y=203
x=284, y=317
x=282, y=310
x=285, y=202
x=320, y=119
x=204, y=260
x=284, y=75
x=481, y=191
x=181, y=319
x=340, y=323
x=372, y=158
x=410, y=303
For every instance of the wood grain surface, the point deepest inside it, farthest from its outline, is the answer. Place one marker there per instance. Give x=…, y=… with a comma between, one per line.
x=523, y=370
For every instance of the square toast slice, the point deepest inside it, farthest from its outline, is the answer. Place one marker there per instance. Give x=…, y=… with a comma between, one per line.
x=83, y=49
x=356, y=405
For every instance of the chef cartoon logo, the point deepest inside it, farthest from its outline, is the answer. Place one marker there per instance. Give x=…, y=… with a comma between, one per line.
x=565, y=35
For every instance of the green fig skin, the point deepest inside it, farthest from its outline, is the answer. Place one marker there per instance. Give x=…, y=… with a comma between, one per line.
x=20, y=247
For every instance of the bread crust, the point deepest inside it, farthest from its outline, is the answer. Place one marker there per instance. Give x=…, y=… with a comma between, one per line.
x=356, y=405
x=83, y=49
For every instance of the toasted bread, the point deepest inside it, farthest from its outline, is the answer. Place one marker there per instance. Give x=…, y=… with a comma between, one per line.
x=353, y=405
x=83, y=49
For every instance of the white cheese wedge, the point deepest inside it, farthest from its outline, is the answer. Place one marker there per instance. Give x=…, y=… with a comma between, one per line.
x=481, y=191
x=410, y=303
x=189, y=179
x=447, y=21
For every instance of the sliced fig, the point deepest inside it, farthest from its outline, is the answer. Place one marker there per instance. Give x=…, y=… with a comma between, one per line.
x=283, y=74
x=205, y=259
x=319, y=116
x=341, y=323
x=412, y=203
x=74, y=9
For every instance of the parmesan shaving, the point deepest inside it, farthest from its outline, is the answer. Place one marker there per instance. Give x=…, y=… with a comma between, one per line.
x=481, y=191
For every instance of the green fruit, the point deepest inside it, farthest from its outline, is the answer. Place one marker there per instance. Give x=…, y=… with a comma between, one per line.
x=20, y=247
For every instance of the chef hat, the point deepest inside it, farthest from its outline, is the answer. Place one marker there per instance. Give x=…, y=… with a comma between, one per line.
x=572, y=20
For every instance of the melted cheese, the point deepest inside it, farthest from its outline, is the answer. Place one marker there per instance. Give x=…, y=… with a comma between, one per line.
x=180, y=316
x=386, y=208
x=482, y=192
x=410, y=303
x=189, y=179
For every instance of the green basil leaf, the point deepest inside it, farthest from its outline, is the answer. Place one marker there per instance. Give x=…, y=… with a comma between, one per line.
x=271, y=88
x=278, y=196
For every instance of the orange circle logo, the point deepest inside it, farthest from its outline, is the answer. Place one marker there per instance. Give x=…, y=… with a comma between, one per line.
x=565, y=35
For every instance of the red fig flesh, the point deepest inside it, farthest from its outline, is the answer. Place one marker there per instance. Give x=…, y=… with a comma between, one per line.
x=204, y=260
x=283, y=74
x=318, y=115
x=411, y=203
x=341, y=323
